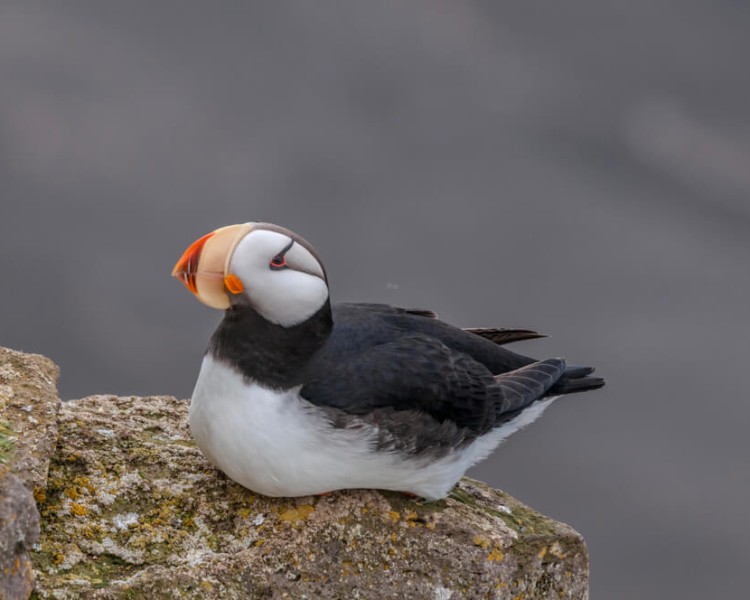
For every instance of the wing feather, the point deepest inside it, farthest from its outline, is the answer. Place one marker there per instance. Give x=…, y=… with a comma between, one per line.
x=419, y=373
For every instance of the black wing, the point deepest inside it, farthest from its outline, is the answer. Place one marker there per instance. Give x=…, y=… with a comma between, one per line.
x=357, y=327
x=496, y=335
x=419, y=373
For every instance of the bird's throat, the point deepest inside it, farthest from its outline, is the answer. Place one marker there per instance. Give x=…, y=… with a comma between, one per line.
x=269, y=354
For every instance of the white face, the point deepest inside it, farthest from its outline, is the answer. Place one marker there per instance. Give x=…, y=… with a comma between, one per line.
x=282, y=280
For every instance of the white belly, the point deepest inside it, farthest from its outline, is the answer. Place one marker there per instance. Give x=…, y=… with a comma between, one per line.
x=277, y=444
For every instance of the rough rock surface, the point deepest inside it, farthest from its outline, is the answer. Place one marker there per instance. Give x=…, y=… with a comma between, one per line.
x=28, y=413
x=131, y=509
x=28, y=433
x=19, y=530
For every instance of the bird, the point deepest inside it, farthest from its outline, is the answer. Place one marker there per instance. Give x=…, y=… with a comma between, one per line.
x=297, y=396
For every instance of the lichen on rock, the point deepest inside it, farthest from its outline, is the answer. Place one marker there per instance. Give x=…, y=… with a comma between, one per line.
x=131, y=509
x=19, y=530
x=28, y=413
x=28, y=427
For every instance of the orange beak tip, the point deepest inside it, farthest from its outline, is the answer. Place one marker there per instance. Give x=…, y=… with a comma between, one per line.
x=187, y=266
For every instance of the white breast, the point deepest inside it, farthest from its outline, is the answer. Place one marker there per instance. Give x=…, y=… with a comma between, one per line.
x=278, y=444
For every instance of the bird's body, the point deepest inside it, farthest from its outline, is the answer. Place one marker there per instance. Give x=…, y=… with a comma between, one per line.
x=277, y=443
x=298, y=398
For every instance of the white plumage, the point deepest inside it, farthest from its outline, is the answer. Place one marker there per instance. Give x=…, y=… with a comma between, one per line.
x=296, y=396
x=278, y=444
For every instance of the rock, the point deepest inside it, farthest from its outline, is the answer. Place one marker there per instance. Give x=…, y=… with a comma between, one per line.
x=19, y=530
x=28, y=414
x=28, y=434
x=133, y=510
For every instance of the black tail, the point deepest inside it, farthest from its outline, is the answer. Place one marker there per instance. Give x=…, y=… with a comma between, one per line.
x=576, y=379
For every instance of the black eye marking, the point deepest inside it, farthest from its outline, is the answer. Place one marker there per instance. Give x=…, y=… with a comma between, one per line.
x=278, y=262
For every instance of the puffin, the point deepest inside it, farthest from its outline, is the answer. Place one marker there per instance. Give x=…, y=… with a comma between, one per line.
x=297, y=396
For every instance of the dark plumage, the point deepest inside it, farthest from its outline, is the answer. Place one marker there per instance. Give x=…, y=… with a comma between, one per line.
x=359, y=358
x=298, y=397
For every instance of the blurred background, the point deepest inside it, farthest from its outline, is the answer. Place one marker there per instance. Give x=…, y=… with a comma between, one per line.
x=578, y=168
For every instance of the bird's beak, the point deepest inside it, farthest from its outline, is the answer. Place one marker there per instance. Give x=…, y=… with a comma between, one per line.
x=204, y=266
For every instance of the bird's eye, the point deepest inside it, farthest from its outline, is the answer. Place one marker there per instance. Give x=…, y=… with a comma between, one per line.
x=278, y=262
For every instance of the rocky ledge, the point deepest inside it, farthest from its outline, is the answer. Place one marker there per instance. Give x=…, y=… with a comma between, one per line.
x=130, y=509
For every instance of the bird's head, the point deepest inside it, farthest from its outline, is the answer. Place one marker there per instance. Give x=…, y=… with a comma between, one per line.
x=269, y=268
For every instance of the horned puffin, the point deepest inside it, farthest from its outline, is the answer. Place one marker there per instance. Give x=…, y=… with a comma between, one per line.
x=296, y=396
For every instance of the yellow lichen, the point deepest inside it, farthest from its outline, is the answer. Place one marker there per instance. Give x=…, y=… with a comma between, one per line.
x=293, y=515
x=395, y=516
x=84, y=482
x=78, y=509
x=495, y=555
x=481, y=541
x=72, y=493
x=50, y=510
x=542, y=553
x=557, y=551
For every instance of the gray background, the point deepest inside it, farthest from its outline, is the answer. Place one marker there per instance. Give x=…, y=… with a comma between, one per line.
x=582, y=168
